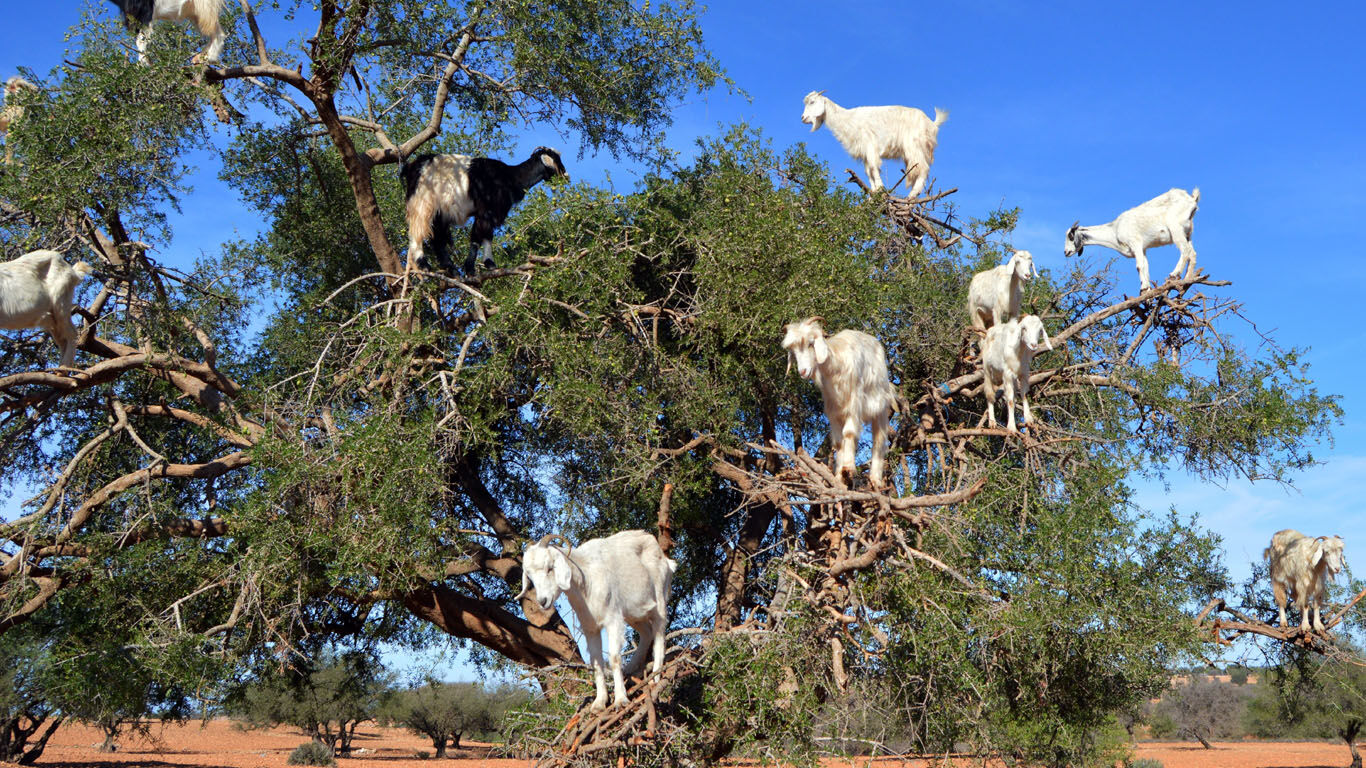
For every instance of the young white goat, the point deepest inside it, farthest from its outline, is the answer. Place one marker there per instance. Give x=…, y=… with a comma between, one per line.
x=12, y=111
x=871, y=134
x=1163, y=220
x=994, y=295
x=1301, y=568
x=851, y=370
x=204, y=14
x=1007, y=355
x=610, y=582
x=443, y=191
x=36, y=291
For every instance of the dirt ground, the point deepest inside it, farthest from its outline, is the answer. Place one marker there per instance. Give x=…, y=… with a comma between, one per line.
x=221, y=745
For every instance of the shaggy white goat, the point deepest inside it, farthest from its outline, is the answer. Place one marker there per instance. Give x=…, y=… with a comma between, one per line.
x=871, y=134
x=1007, y=355
x=36, y=291
x=610, y=582
x=204, y=14
x=994, y=295
x=1163, y=220
x=1301, y=568
x=12, y=111
x=851, y=370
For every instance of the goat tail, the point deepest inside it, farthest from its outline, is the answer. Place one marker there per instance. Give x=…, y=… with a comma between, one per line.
x=82, y=269
x=1195, y=193
x=940, y=116
x=206, y=14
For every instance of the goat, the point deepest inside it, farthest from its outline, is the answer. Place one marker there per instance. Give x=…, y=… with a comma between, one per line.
x=851, y=370
x=994, y=295
x=872, y=134
x=1163, y=220
x=1301, y=567
x=12, y=111
x=36, y=291
x=610, y=582
x=204, y=14
x=1007, y=355
x=446, y=190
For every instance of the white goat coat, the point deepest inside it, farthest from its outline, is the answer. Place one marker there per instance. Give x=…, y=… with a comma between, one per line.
x=994, y=294
x=1166, y=219
x=1007, y=356
x=872, y=134
x=36, y=291
x=1300, y=568
x=851, y=370
x=610, y=582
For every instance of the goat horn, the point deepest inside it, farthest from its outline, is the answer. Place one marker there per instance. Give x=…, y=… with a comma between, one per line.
x=816, y=319
x=546, y=539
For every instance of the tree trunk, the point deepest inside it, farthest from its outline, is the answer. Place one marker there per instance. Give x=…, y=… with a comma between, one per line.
x=111, y=732
x=35, y=751
x=486, y=622
x=439, y=742
x=1349, y=735
x=455, y=741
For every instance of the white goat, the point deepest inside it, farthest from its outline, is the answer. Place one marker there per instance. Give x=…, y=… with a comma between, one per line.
x=994, y=295
x=1301, y=567
x=610, y=582
x=12, y=111
x=871, y=134
x=1007, y=355
x=36, y=291
x=204, y=14
x=851, y=370
x=1163, y=220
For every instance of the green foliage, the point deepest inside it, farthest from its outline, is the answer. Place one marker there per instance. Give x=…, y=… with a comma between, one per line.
x=311, y=753
x=1305, y=696
x=1144, y=762
x=326, y=697
x=1204, y=710
x=446, y=712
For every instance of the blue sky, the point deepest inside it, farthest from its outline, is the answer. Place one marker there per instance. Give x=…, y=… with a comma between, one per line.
x=1069, y=111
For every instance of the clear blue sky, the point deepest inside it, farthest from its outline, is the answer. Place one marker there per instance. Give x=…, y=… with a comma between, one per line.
x=1069, y=111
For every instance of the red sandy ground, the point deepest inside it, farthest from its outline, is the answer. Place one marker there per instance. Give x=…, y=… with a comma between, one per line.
x=221, y=745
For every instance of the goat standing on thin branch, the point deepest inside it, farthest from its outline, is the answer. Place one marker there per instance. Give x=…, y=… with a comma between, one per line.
x=872, y=134
x=1007, y=356
x=851, y=370
x=1166, y=219
x=204, y=14
x=610, y=582
x=36, y=291
x=1301, y=568
x=994, y=295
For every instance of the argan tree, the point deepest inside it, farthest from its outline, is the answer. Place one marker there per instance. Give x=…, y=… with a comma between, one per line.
x=300, y=437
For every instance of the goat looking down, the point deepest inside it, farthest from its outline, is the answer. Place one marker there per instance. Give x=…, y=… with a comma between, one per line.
x=851, y=370
x=204, y=14
x=1166, y=219
x=994, y=295
x=443, y=191
x=1007, y=356
x=610, y=582
x=36, y=291
x=872, y=134
x=12, y=111
x=1300, y=568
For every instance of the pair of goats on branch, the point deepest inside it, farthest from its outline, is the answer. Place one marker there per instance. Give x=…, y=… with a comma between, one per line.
x=872, y=134
x=611, y=582
x=1010, y=341
x=1300, y=568
x=37, y=291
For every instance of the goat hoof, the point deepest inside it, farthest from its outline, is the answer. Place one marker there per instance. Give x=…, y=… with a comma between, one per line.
x=488, y=263
x=598, y=706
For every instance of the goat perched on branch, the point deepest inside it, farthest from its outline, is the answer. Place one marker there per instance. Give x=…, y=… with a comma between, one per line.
x=1163, y=220
x=204, y=14
x=994, y=295
x=851, y=370
x=12, y=111
x=1007, y=355
x=443, y=191
x=610, y=582
x=36, y=291
x=1301, y=568
x=871, y=134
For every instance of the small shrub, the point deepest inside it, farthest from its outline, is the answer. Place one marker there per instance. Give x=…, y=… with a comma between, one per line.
x=311, y=753
x=1145, y=762
x=423, y=754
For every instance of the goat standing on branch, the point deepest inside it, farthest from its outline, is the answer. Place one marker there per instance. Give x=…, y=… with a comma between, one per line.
x=12, y=112
x=36, y=291
x=443, y=191
x=204, y=14
x=610, y=582
x=872, y=134
x=1007, y=355
x=994, y=295
x=1301, y=567
x=1166, y=219
x=851, y=370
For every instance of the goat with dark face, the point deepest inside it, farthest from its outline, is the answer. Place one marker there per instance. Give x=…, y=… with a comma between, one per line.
x=443, y=191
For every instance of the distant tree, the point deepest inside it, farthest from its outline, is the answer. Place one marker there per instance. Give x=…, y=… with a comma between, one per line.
x=1205, y=709
x=445, y=712
x=1307, y=696
x=1238, y=675
x=326, y=698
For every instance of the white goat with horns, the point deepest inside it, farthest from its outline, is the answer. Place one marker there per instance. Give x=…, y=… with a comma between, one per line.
x=1301, y=567
x=1007, y=356
x=610, y=582
x=872, y=134
x=36, y=291
x=851, y=370
x=1166, y=219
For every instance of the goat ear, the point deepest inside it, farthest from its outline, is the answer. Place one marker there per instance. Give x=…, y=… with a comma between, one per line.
x=822, y=351
x=563, y=575
x=525, y=585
